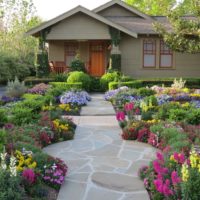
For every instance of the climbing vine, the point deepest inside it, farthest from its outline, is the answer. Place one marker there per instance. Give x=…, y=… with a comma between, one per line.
x=115, y=36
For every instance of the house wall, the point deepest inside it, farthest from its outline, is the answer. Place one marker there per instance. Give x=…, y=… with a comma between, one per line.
x=116, y=10
x=79, y=27
x=184, y=65
x=57, y=50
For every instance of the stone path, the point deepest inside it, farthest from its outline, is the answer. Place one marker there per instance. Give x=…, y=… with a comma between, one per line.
x=101, y=165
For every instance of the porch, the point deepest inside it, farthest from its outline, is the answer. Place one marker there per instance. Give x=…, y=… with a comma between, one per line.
x=94, y=53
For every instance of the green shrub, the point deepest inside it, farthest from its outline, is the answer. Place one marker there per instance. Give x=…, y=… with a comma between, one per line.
x=193, y=117
x=177, y=114
x=144, y=92
x=68, y=86
x=3, y=139
x=10, y=187
x=95, y=84
x=42, y=64
x=116, y=61
x=164, y=110
x=15, y=88
x=77, y=65
x=62, y=77
x=148, y=115
x=107, y=78
x=131, y=84
x=32, y=96
x=12, y=66
x=34, y=105
x=3, y=117
x=126, y=78
x=41, y=159
x=151, y=100
x=76, y=76
x=22, y=115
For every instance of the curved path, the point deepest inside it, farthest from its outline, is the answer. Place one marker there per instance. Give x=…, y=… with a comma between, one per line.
x=101, y=165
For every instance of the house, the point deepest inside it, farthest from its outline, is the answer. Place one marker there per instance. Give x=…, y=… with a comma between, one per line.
x=143, y=52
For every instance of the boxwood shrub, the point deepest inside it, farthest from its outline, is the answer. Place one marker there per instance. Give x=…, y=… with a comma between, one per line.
x=131, y=84
x=67, y=86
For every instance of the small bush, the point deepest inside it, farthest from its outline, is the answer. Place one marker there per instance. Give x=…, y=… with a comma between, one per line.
x=62, y=77
x=34, y=80
x=76, y=76
x=43, y=64
x=67, y=86
x=131, y=84
x=95, y=84
x=107, y=78
x=193, y=117
x=22, y=115
x=177, y=114
x=15, y=88
x=3, y=117
x=10, y=187
x=143, y=92
x=77, y=65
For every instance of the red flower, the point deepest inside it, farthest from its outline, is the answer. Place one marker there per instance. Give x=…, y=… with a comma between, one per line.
x=120, y=116
x=129, y=106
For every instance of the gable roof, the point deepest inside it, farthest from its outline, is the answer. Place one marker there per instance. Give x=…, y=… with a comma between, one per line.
x=124, y=5
x=34, y=31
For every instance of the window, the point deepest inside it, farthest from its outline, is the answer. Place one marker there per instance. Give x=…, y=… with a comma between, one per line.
x=166, y=55
x=70, y=52
x=149, y=53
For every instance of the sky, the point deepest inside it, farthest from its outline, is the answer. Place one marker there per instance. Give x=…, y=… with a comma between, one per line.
x=48, y=9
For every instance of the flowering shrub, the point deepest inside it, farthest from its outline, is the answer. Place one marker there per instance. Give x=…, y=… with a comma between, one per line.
x=77, y=98
x=55, y=173
x=39, y=89
x=173, y=177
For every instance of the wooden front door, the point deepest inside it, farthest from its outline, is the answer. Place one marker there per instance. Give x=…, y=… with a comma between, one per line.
x=97, y=59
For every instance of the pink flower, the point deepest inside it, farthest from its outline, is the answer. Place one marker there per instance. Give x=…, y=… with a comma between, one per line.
x=175, y=178
x=166, y=188
x=129, y=106
x=29, y=175
x=179, y=157
x=120, y=116
x=137, y=111
x=160, y=156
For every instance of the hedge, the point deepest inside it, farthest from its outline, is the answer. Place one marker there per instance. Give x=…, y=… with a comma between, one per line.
x=131, y=84
x=190, y=82
x=35, y=80
x=76, y=86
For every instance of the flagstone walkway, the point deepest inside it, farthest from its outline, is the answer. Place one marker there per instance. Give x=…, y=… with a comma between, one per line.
x=101, y=165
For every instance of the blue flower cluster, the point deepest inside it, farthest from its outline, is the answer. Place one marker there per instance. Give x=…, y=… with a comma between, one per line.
x=164, y=99
x=6, y=99
x=111, y=93
x=77, y=98
x=196, y=103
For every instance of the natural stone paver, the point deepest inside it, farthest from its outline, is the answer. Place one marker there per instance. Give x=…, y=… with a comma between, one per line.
x=117, y=182
x=99, y=194
x=101, y=165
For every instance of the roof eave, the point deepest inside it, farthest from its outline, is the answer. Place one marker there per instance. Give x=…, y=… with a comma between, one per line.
x=55, y=20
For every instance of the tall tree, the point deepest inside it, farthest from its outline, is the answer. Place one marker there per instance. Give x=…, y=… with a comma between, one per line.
x=16, y=17
x=152, y=7
x=184, y=20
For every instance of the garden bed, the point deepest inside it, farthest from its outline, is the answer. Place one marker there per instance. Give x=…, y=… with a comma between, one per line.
x=30, y=120
x=170, y=121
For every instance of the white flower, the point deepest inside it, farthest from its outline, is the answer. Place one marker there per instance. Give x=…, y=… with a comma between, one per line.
x=13, y=169
x=3, y=161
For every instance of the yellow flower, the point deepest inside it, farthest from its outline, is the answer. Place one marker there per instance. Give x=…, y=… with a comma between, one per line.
x=172, y=158
x=33, y=165
x=185, y=105
x=194, y=159
x=185, y=172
